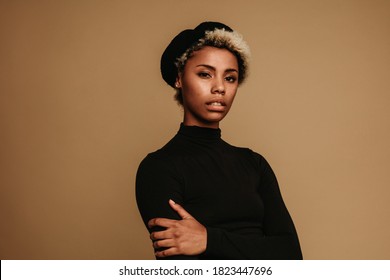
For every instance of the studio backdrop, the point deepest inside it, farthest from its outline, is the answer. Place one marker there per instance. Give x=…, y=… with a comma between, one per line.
x=82, y=102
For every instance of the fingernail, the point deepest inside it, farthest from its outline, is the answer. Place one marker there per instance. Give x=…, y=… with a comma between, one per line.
x=173, y=201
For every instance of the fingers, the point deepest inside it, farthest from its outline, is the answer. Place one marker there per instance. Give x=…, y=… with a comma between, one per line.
x=177, y=237
x=166, y=253
x=167, y=243
x=162, y=222
x=180, y=210
x=165, y=234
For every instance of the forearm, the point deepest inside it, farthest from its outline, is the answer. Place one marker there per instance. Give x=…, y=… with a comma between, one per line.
x=222, y=244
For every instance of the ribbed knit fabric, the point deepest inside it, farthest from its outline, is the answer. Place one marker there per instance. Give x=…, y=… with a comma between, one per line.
x=232, y=191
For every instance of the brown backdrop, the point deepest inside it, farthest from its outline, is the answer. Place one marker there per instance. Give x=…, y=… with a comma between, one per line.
x=82, y=102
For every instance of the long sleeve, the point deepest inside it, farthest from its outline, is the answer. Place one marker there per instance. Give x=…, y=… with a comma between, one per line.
x=232, y=191
x=280, y=240
x=156, y=183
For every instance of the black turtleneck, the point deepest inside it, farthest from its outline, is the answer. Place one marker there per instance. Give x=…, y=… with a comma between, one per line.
x=232, y=191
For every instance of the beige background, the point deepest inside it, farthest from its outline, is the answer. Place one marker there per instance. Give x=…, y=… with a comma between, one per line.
x=82, y=102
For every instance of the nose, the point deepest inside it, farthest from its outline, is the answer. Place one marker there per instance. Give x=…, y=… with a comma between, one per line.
x=218, y=86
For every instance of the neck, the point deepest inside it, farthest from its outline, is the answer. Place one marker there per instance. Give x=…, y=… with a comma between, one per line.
x=200, y=133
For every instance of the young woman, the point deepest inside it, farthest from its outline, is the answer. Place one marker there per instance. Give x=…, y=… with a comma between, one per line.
x=200, y=197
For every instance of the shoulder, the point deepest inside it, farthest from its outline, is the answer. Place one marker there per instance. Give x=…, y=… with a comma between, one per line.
x=157, y=174
x=161, y=156
x=257, y=159
x=155, y=162
x=261, y=161
x=161, y=162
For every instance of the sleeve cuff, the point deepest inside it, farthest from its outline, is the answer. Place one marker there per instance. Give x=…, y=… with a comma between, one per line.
x=213, y=241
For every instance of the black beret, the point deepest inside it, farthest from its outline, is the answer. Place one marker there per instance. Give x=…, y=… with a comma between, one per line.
x=183, y=41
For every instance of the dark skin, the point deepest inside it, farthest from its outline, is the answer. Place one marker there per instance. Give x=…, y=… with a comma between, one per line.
x=209, y=84
x=182, y=237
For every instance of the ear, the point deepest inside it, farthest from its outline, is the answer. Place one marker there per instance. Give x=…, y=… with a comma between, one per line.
x=178, y=81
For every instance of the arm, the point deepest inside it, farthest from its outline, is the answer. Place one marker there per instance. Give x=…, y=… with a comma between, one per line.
x=183, y=237
x=280, y=240
x=157, y=181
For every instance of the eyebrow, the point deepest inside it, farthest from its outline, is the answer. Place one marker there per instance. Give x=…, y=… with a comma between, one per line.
x=214, y=69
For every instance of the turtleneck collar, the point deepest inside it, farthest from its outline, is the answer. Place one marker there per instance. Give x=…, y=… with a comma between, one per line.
x=200, y=132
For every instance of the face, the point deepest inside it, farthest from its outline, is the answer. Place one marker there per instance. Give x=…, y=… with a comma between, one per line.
x=208, y=84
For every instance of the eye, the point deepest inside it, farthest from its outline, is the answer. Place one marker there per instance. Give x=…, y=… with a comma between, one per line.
x=204, y=75
x=231, y=79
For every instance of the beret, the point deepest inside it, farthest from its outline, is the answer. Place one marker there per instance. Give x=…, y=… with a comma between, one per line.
x=204, y=34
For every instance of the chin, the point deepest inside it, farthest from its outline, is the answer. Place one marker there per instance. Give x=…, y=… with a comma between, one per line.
x=216, y=118
x=212, y=117
x=213, y=120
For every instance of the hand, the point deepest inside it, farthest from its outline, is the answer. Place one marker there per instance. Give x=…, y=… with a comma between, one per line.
x=181, y=237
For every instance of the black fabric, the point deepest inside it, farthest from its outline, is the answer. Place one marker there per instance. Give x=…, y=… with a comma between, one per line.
x=183, y=41
x=232, y=191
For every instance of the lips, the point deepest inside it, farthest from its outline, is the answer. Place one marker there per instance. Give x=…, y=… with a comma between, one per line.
x=218, y=102
x=216, y=105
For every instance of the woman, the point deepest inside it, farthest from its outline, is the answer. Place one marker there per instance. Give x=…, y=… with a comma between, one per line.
x=200, y=197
